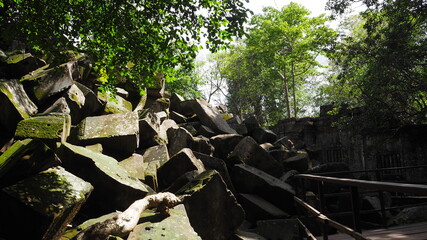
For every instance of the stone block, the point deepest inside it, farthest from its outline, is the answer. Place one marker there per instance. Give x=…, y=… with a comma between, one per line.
x=182, y=162
x=157, y=153
x=257, y=208
x=25, y=158
x=262, y=135
x=178, y=118
x=135, y=166
x=118, y=132
x=202, y=145
x=212, y=209
x=247, y=179
x=249, y=152
x=16, y=65
x=114, y=103
x=92, y=103
x=298, y=162
x=149, y=130
x=15, y=105
x=179, y=138
x=209, y=117
x=50, y=127
x=251, y=124
x=114, y=190
x=224, y=144
x=205, y=131
x=155, y=226
x=176, y=100
x=43, y=204
x=213, y=163
x=46, y=82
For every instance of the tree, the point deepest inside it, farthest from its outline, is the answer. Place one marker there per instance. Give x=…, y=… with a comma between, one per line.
x=275, y=60
x=383, y=65
x=127, y=39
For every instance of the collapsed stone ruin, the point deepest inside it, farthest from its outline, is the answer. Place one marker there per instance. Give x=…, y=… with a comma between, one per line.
x=71, y=157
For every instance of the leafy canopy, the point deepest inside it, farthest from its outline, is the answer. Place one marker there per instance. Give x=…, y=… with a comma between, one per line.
x=127, y=39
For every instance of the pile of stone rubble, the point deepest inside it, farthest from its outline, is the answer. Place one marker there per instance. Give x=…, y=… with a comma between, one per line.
x=70, y=156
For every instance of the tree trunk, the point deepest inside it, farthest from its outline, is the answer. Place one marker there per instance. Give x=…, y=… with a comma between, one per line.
x=285, y=82
x=294, y=90
x=123, y=223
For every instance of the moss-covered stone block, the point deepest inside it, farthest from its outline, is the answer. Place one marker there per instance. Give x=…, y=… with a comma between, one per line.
x=118, y=132
x=135, y=166
x=212, y=209
x=155, y=226
x=25, y=158
x=47, y=82
x=114, y=104
x=54, y=126
x=15, y=104
x=114, y=190
x=41, y=206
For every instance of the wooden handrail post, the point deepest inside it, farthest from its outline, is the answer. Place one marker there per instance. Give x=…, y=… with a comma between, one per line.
x=355, y=205
x=321, y=196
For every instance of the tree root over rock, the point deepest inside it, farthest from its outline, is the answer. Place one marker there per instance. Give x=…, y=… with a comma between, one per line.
x=123, y=223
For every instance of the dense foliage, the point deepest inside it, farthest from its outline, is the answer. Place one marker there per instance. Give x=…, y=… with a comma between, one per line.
x=127, y=39
x=267, y=72
x=381, y=65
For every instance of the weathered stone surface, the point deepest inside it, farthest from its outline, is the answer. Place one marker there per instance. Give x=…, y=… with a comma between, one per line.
x=250, y=180
x=25, y=158
x=151, y=175
x=114, y=104
x=410, y=215
x=283, y=229
x=157, y=153
x=251, y=124
x=92, y=103
x=155, y=226
x=178, y=118
x=209, y=117
x=176, y=100
x=141, y=103
x=15, y=105
x=114, y=131
x=202, y=145
x=240, y=128
x=114, y=190
x=262, y=135
x=54, y=126
x=71, y=103
x=213, y=163
x=179, y=138
x=257, y=208
x=248, y=151
x=42, y=204
x=69, y=234
x=298, y=162
x=47, y=82
x=135, y=166
x=224, y=144
x=182, y=162
x=212, y=209
x=149, y=130
x=206, y=131
x=161, y=104
x=244, y=235
x=16, y=65
x=161, y=115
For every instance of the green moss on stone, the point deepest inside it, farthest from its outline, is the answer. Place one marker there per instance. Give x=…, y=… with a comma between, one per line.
x=44, y=127
x=198, y=183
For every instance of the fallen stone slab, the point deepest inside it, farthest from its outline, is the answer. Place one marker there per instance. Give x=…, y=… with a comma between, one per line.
x=178, y=118
x=156, y=153
x=25, y=158
x=50, y=127
x=224, y=144
x=180, y=163
x=212, y=209
x=118, y=132
x=249, y=152
x=179, y=138
x=44, y=204
x=262, y=135
x=176, y=100
x=213, y=163
x=298, y=162
x=135, y=166
x=249, y=180
x=257, y=208
x=15, y=105
x=16, y=65
x=246, y=235
x=202, y=145
x=156, y=226
x=208, y=116
x=160, y=105
x=114, y=103
x=251, y=124
x=114, y=190
x=46, y=82
x=92, y=104
x=149, y=130
x=205, y=131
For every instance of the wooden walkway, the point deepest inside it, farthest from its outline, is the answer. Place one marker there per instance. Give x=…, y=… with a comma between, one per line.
x=416, y=231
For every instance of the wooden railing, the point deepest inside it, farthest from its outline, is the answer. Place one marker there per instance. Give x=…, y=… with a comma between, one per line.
x=354, y=186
